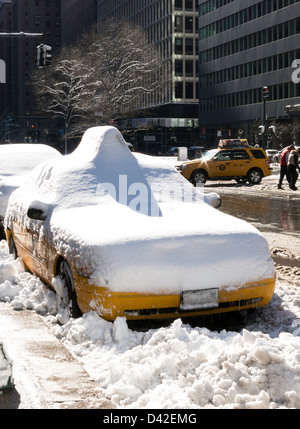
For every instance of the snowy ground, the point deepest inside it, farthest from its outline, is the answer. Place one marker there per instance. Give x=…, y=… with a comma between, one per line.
x=253, y=363
x=178, y=365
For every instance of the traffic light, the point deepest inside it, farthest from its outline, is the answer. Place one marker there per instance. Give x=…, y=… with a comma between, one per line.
x=43, y=55
x=38, y=56
x=46, y=55
x=266, y=93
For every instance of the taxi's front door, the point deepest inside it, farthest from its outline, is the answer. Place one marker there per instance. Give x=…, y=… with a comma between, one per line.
x=221, y=164
x=240, y=162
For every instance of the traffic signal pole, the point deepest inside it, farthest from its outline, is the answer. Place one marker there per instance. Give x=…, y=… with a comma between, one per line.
x=265, y=98
x=21, y=34
x=43, y=52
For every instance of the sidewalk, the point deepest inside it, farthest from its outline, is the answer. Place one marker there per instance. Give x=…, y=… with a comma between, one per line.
x=46, y=376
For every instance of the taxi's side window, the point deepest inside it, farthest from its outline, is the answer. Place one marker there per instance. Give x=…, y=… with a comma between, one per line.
x=240, y=154
x=223, y=156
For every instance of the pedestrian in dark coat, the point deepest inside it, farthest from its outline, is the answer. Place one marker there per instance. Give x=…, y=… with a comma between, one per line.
x=283, y=165
x=293, y=166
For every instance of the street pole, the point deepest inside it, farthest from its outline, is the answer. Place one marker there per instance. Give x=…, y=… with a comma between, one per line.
x=265, y=94
x=21, y=34
x=264, y=125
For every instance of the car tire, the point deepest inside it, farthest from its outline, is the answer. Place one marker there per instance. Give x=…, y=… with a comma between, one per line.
x=12, y=247
x=65, y=273
x=198, y=176
x=255, y=176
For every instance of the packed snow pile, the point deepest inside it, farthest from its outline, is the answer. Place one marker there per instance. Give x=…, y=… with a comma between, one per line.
x=6, y=379
x=17, y=160
x=137, y=223
x=177, y=366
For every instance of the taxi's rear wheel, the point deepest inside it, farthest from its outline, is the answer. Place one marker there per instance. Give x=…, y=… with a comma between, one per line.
x=198, y=176
x=65, y=273
x=255, y=176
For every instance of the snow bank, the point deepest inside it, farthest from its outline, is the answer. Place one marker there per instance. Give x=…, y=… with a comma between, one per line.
x=16, y=161
x=140, y=225
x=5, y=370
x=177, y=366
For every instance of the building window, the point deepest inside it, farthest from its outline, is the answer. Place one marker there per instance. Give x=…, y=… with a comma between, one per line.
x=178, y=90
x=189, y=28
x=178, y=4
x=189, y=46
x=188, y=4
x=178, y=68
x=178, y=46
x=189, y=68
x=178, y=24
x=189, y=90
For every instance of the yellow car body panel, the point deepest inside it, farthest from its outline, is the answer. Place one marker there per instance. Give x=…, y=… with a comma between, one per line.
x=141, y=306
x=135, y=306
x=223, y=166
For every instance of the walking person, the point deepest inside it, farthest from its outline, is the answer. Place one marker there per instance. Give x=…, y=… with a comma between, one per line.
x=283, y=165
x=293, y=166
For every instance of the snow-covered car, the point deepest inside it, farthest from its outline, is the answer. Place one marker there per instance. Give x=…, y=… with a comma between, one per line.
x=6, y=376
x=16, y=161
x=126, y=235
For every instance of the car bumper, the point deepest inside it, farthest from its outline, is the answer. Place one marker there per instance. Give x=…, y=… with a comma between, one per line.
x=135, y=306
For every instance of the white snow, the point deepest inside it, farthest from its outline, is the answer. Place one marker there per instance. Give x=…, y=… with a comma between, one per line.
x=172, y=367
x=17, y=160
x=5, y=369
x=137, y=222
x=177, y=366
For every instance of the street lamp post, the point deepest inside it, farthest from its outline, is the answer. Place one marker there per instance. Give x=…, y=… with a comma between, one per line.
x=265, y=98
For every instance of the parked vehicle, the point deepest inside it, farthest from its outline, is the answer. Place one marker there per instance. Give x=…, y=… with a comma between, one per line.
x=195, y=152
x=124, y=234
x=173, y=151
x=16, y=161
x=273, y=155
x=232, y=162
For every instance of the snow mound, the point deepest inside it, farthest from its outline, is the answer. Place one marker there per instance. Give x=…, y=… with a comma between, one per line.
x=137, y=222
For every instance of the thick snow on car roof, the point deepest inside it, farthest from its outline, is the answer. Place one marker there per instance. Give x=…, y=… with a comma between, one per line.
x=138, y=223
x=16, y=161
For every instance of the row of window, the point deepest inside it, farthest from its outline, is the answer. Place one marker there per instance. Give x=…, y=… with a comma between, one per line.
x=267, y=5
x=188, y=4
x=186, y=24
x=211, y=5
x=277, y=92
x=187, y=68
x=184, y=46
x=243, y=16
x=268, y=35
x=151, y=10
x=186, y=90
x=252, y=68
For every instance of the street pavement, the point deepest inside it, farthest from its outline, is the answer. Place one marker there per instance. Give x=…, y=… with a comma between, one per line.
x=46, y=375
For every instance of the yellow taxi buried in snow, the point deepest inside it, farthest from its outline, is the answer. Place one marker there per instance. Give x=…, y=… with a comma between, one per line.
x=124, y=234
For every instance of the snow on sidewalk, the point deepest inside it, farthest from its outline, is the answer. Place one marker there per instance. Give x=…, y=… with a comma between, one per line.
x=176, y=366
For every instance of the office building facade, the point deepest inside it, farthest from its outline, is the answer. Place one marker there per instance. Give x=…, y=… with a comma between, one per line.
x=41, y=17
x=245, y=45
x=76, y=17
x=172, y=25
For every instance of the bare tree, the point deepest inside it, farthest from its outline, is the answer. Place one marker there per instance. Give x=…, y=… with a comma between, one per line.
x=111, y=73
x=129, y=72
x=64, y=91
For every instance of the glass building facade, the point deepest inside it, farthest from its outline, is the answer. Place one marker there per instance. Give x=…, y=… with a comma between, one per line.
x=243, y=46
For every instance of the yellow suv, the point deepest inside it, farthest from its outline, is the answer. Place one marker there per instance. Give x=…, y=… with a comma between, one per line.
x=233, y=159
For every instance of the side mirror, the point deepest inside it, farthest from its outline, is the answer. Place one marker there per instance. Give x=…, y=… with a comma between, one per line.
x=38, y=211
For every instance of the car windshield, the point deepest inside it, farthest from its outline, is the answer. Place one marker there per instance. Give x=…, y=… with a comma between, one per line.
x=209, y=154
